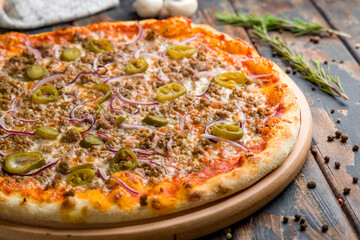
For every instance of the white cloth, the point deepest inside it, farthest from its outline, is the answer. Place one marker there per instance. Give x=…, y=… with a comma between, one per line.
x=26, y=14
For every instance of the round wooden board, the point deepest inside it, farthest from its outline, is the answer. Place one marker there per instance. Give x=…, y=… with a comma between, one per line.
x=193, y=222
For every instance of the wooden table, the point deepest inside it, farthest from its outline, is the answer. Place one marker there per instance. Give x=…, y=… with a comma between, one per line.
x=319, y=205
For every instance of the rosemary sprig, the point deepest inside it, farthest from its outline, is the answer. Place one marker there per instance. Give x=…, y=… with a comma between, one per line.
x=324, y=79
x=297, y=26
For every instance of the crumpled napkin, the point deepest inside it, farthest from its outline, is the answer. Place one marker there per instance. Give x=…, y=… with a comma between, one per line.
x=26, y=14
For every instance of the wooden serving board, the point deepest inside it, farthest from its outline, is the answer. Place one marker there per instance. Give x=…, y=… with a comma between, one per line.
x=193, y=222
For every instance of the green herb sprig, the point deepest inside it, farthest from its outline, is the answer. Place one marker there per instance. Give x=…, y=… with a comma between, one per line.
x=297, y=26
x=324, y=79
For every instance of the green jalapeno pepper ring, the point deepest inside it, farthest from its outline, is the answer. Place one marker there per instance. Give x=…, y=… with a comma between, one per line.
x=155, y=121
x=124, y=159
x=100, y=46
x=170, y=92
x=47, y=133
x=138, y=65
x=80, y=177
x=227, y=131
x=35, y=72
x=70, y=54
x=230, y=79
x=23, y=162
x=179, y=51
x=38, y=94
x=89, y=140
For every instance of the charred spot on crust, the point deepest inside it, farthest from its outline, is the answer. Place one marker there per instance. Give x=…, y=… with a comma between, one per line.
x=187, y=185
x=143, y=200
x=222, y=189
x=194, y=196
x=156, y=203
x=69, y=193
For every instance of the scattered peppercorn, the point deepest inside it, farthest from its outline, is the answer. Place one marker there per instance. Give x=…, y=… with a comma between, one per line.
x=325, y=62
x=332, y=110
x=288, y=70
x=227, y=230
x=302, y=220
x=338, y=133
x=285, y=219
x=228, y=236
x=274, y=53
x=297, y=217
x=327, y=159
x=341, y=61
x=346, y=190
x=314, y=152
x=313, y=88
x=294, y=71
x=303, y=226
x=324, y=228
x=355, y=179
x=344, y=138
x=330, y=138
x=311, y=184
x=333, y=60
x=315, y=39
x=337, y=165
x=338, y=120
x=355, y=147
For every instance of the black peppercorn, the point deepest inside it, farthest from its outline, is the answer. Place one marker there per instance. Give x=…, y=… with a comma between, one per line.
x=355, y=179
x=344, y=138
x=346, y=190
x=302, y=220
x=338, y=133
x=324, y=228
x=303, y=226
x=311, y=184
x=297, y=217
x=355, y=147
x=330, y=138
x=285, y=219
x=337, y=165
x=327, y=159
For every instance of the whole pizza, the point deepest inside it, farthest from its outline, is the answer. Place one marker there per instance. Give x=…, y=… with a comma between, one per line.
x=121, y=121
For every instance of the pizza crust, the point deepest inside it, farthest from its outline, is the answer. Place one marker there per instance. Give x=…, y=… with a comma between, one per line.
x=14, y=208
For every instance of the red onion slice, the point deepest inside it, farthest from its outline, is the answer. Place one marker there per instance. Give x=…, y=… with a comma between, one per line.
x=123, y=76
x=79, y=75
x=23, y=120
x=111, y=149
x=190, y=39
x=137, y=38
x=169, y=148
x=47, y=79
x=218, y=139
x=2, y=153
x=160, y=152
x=254, y=76
x=137, y=53
x=135, y=126
x=72, y=112
x=2, y=125
x=162, y=76
x=213, y=123
x=206, y=74
x=12, y=107
x=131, y=102
x=152, y=55
x=31, y=48
x=103, y=135
x=6, y=136
x=153, y=162
x=55, y=53
x=104, y=177
x=92, y=119
x=42, y=168
x=143, y=152
x=112, y=105
x=274, y=113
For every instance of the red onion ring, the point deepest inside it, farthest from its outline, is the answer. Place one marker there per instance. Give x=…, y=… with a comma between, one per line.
x=206, y=74
x=160, y=152
x=72, y=114
x=2, y=125
x=12, y=107
x=23, y=120
x=218, y=139
x=103, y=135
x=143, y=152
x=79, y=75
x=104, y=177
x=2, y=153
x=137, y=53
x=89, y=117
x=41, y=169
x=31, y=48
x=253, y=76
x=111, y=149
x=153, y=162
x=123, y=76
x=47, y=79
x=162, y=76
x=190, y=39
x=55, y=53
x=137, y=38
x=169, y=148
x=213, y=123
x=135, y=126
x=131, y=102
x=112, y=106
x=8, y=135
x=274, y=113
x=152, y=55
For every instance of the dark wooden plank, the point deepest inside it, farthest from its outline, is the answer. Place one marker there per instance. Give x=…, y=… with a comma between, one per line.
x=348, y=111
x=343, y=16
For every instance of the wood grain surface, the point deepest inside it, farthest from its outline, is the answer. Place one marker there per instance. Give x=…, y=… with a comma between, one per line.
x=319, y=205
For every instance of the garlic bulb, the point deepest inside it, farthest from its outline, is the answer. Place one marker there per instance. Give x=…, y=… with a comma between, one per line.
x=165, y=8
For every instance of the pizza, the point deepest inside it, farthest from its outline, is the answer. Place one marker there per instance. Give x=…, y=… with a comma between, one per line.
x=121, y=121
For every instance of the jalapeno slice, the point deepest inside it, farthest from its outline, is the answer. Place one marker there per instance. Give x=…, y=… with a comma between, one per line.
x=45, y=94
x=179, y=51
x=23, y=162
x=120, y=119
x=47, y=133
x=138, y=65
x=90, y=140
x=124, y=159
x=170, y=92
x=86, y=165
x=227, y=131
x=100, y=46
x=80, y=177
x=105, y=89
x=35, y=72
x=230, y=79
x=70, y=54
x=155, y=121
